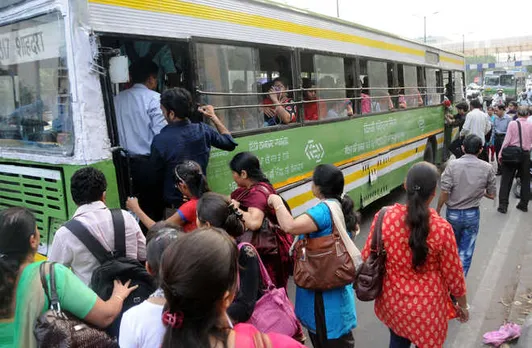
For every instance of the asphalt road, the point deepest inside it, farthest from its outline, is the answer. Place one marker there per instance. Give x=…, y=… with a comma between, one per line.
x=491, y=281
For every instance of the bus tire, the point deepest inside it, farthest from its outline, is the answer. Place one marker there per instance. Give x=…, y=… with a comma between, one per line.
x=429, y=155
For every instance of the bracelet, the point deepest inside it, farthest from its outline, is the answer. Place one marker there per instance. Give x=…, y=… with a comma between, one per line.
x=119, y=297
x=467, y=307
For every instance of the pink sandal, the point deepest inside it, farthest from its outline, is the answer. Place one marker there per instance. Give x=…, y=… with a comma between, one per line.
x=507, y=332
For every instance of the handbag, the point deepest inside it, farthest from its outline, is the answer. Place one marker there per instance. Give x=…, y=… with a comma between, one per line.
x=368, y=282
x=513, y=155
x=58, y=328
x=270, y=241
x=326, y=262
x=273, y=312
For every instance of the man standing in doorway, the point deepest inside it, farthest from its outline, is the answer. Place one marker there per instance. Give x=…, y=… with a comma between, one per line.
x=139, y=120
x=463, y=184
x=500, y=125
x=477, y=122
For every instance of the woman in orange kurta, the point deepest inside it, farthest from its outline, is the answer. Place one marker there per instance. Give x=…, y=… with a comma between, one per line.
x=422, y=267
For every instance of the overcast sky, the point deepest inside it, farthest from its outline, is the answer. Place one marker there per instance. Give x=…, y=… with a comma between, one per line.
x=478, y=20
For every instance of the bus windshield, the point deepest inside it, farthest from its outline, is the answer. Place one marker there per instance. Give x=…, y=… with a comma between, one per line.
x=34, y=86
x=508, y=80
x=491, y=80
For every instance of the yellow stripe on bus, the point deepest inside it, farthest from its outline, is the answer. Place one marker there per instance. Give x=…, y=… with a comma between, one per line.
x=304, y=197
x=359, y=158
x=178, y=7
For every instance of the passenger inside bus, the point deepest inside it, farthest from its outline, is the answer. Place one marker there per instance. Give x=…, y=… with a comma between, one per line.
x=274, y=113
x=311, y=107
x=160, y=54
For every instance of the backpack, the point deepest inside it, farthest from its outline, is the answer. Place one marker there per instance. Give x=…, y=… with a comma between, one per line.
x=114, y=265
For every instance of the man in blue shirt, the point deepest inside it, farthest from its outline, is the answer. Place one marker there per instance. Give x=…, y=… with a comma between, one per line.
x=500, y=125
x=139, y=118
x=183, y=140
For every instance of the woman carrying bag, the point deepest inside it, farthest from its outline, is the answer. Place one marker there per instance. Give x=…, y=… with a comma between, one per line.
x=324, y=307
x=422, y=265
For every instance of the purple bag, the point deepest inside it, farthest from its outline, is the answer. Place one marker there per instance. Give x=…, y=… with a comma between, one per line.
x=273, y=311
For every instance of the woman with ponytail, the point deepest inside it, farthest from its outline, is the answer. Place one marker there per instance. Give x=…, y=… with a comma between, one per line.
x=191, y=182
x=329, y=316
x=423, y=269
x=199, y=275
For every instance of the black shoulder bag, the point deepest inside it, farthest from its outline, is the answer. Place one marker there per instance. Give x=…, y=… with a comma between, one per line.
x=114, y=265
x=513, y=155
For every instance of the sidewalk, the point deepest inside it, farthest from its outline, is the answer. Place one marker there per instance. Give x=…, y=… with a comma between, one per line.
x=521, y=306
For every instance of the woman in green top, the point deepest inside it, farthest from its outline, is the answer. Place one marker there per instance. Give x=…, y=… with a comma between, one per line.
x=22, y=298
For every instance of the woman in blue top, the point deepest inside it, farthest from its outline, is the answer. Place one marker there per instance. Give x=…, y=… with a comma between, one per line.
x=330, y=315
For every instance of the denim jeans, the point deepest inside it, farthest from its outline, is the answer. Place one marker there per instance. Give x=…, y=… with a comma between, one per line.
x=465, y=224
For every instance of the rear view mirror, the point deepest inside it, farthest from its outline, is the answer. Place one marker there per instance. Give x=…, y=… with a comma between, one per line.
x=119, y=69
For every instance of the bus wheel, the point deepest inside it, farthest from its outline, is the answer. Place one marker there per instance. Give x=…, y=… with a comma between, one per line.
x=428, y=155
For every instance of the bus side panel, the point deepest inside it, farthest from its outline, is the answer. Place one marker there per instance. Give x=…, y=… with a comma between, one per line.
x=366, y=181
x=45, y=190
x=289, y=157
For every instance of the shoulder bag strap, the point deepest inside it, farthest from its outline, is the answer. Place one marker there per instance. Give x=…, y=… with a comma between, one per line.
x=90, y=242
x=120, y=232
x=520, y=136
x=263, y=272
x=44, y=283
x=50, y=292
x=54, y=303
x=338, y=226
x=376, y=240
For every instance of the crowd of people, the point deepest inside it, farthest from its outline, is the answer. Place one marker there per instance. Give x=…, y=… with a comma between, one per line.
x=209, y=283
x=218, y=266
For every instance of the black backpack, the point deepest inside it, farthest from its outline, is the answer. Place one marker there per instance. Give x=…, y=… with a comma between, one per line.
x=114, y=265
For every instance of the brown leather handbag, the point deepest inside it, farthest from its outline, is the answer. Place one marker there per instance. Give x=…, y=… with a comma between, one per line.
x=323, y=263
x=369, y=278
x=58, y=328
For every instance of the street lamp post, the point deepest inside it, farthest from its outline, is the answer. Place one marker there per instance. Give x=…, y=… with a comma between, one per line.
x=338, y=8
x=425, y=25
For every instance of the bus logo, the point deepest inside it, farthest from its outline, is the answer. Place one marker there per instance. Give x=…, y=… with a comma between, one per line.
x=314, y=151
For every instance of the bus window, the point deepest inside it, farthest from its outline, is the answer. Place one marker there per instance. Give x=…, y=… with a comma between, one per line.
x=225, y=69
x=421, y=84
x=433, y=98
x=448, y=85
x=409, y=88
x=276, y=73
x=330, y=76
x=458, y=86
x=35, y=100
x=378, y=86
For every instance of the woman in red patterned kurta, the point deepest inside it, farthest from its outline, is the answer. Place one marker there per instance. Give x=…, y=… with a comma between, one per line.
x=422, y=267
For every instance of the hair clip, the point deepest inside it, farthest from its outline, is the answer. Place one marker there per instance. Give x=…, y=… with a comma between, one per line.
x=174, y=320
x=342, y=196
x=235, y=210
x=3, y=256
x=416, y=188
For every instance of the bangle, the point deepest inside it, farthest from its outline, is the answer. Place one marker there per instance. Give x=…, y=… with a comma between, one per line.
x=119, y=297
x=467, y=307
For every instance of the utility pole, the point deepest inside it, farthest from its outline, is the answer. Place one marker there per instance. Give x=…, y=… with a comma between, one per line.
x=338, y=8
x=424, y=29
x=463, y=44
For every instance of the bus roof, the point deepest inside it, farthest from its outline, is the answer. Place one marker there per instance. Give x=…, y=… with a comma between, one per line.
x=351, y=24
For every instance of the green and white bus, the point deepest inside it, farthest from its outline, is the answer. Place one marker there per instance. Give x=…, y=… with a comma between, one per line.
x=56, y=94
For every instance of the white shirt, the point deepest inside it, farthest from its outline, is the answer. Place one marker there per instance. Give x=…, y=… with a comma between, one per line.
x=139, y=118
x=142, y=326
x=96, y=217
x=478, y=123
